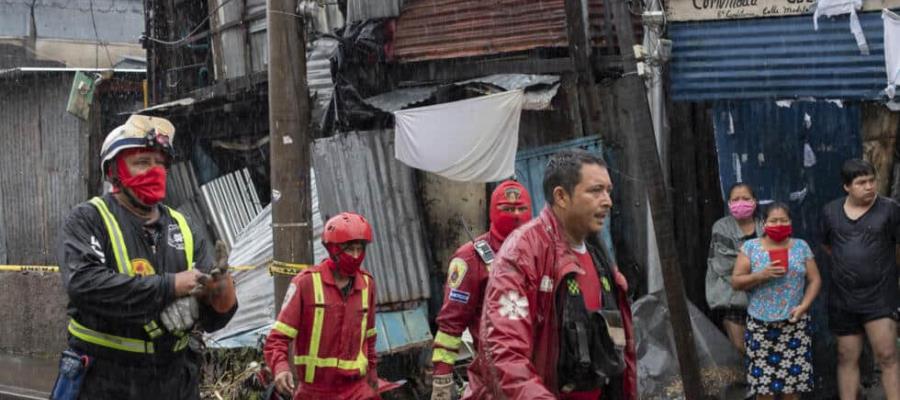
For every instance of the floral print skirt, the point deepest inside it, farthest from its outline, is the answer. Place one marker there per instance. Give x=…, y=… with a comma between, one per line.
x=779, y=356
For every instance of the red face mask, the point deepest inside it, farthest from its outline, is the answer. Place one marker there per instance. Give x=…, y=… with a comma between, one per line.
x=345, y=263
x=779, y=233
x=508, y=193
x=149, y=187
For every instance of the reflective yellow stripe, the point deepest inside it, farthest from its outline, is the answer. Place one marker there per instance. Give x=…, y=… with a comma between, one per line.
x=182, y=343
x=443, y=355
x=115, y=237
x=311, y=361
x=359, y=364
x=186, y=235
x=286, y=329
x=371, y=332
x=318, y=319
x=447, y=341
x=114, y=342
x=365, y=320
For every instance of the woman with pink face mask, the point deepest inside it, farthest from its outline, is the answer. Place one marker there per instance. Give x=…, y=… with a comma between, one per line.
x=728, y=235
x=782, y=280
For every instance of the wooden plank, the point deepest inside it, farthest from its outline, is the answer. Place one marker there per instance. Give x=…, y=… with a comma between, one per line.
x=641, y=143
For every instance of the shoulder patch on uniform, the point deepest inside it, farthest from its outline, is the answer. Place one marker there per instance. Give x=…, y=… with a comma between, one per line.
x=175, y=238
x=459, y=296
x=546, y=284
x=456, y=272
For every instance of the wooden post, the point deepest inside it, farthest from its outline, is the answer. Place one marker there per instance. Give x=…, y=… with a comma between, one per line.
x=289, y=130
x=580, y=54
x=639, y=141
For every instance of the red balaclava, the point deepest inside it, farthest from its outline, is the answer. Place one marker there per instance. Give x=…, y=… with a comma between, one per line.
x=345, y=263
x=510, y=193
x=149, y=187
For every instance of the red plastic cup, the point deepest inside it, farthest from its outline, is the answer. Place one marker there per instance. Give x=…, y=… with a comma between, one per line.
x=780, y=255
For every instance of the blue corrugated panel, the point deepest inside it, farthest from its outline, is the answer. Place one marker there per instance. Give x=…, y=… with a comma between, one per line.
x=530, y=166
x=777, y=58
x=402, y=330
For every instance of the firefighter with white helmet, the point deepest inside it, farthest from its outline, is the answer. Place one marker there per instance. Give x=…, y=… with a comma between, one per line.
x=138, y=278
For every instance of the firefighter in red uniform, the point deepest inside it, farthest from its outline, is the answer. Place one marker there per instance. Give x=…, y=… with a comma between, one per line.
x=552, y=296
x=466, y=278
x=329, y=314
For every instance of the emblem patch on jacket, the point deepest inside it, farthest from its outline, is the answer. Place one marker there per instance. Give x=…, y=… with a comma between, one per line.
x=456, y=272
x=142, y=267
x=175, y=238
x=513, y=305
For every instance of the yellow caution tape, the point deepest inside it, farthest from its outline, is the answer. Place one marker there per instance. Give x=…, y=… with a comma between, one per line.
x=29, y=268
x=286, y=268
x=53, y=268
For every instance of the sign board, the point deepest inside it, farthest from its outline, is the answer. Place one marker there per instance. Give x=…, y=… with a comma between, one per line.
x=705, y=10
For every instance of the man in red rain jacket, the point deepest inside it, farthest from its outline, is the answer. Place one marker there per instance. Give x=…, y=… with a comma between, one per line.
x=526, y=338
x=466, y=278
x=329, y=314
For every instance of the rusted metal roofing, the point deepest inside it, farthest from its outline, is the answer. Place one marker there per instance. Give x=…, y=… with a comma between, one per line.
x=438, y=29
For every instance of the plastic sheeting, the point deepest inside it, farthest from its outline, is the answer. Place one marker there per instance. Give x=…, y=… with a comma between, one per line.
x=256, y=303
x=891, y=51
x=830, y=8
x=721, y=366
x=472, y=140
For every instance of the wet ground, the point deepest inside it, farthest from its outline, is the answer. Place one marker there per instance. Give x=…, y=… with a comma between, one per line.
x=24, y=377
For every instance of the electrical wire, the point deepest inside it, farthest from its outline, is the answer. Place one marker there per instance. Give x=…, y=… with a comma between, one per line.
x=99, y=42
x=199, y=26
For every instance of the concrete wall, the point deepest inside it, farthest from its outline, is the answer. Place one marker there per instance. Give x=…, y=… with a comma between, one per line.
x=32, y=313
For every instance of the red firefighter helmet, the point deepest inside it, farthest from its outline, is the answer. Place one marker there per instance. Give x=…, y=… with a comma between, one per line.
x=346, y=227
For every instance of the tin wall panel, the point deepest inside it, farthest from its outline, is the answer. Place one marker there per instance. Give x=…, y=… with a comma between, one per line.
x=358, y=172
x=44, y=168
x=777, y=58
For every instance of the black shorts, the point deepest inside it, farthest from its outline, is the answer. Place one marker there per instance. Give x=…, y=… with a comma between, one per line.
x=732, y=314
x=846, y=323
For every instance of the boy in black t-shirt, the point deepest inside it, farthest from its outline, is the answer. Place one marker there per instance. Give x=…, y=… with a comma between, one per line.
x=862, y=235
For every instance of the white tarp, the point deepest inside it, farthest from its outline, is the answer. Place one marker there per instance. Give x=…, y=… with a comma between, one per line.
x=472, y=140
x=830, y=8
x=891, y=51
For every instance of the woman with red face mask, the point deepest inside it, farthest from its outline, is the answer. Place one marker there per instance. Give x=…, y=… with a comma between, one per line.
x=329, y=314
x=782, y=280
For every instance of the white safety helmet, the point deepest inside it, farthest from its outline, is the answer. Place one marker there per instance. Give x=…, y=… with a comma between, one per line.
x=140, y=131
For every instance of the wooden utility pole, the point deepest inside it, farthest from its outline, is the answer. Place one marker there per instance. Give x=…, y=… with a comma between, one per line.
x=639, y=141
x=289, y=129
x=580, y=54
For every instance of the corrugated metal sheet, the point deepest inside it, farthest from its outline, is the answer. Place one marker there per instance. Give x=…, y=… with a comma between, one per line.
x=43, y=171
x=776, y=58
x=361, y=10
x=318, y=74
x=232, y=203
x=183, y=193
x=255, y=287
x=437, y=29
x=358, y=172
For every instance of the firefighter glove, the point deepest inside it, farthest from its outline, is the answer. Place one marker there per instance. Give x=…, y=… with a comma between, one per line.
x=181, y=315
x=442, y=387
